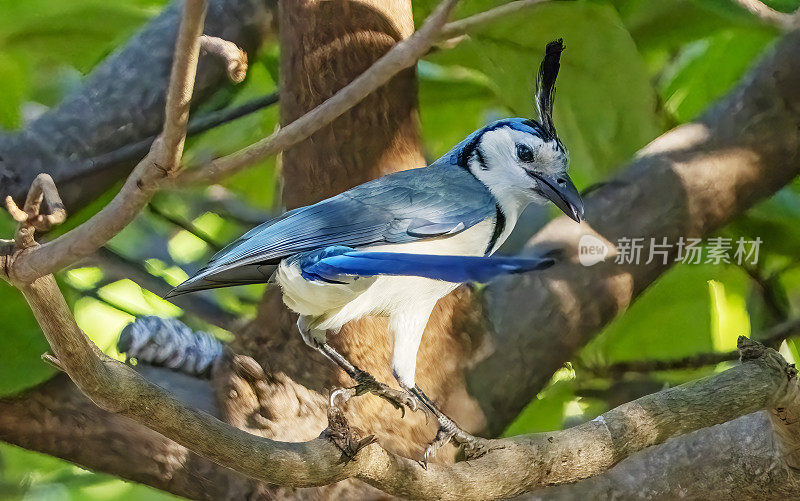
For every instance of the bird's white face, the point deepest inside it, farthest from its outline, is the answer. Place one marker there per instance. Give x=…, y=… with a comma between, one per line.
x=520, y=168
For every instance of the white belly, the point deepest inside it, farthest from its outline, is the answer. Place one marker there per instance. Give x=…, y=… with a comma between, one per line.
x=333, y=305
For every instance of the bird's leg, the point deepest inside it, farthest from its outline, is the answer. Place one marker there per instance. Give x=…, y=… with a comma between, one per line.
x=448, y=430
x=366, y=382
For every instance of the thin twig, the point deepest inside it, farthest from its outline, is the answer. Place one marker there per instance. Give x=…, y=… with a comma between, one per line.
x=398, y=58
x=235, y=58
x=462, y=26
x=772, y=338
x=139, y=149
x=162, y=161
x=769, y=15
x=181, y=86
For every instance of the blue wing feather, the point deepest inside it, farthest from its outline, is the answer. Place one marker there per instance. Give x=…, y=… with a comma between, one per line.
x=399, y=208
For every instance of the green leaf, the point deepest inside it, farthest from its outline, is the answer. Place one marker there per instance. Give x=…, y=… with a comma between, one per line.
x=706, y=69
x=546, y=412
x=21, y=340
x=21, y=344
x=78, y=33
x=678, y=316
x=13, y=89
x=454, y=101
x=605, y=105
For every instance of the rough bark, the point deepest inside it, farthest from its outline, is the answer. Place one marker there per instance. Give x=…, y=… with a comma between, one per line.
x=120, y=103
x=740, y=459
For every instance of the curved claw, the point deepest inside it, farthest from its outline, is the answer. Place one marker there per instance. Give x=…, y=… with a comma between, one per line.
x=342, y=393
x=474, y=447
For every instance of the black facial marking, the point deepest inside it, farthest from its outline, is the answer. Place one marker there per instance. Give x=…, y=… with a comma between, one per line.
x=469, y=148
x=499, y=226
x=524, y=153
x=481, y=159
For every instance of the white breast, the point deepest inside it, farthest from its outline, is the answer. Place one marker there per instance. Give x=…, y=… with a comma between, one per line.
x=333, y=305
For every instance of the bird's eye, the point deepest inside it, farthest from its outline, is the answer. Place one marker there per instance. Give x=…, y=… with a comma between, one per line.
x=524, y=153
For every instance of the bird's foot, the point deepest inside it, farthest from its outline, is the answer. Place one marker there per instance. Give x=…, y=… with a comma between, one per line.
x=368, y=384
x=474, y=447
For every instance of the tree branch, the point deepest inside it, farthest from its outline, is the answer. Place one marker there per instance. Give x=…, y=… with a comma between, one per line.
x=765, y=381
x=752, y=457
x=29, y=218
x=401, y=56
x=462, y=26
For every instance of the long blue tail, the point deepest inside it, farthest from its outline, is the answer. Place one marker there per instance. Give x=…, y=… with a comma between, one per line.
x=336, y=263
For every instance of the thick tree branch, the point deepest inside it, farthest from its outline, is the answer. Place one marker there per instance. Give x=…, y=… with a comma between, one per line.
x=764, y=381
x=687, y=183
x=752, y=457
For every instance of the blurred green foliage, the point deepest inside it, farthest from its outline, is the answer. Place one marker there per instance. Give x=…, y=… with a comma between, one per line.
x=32, y=476
x=632, y=69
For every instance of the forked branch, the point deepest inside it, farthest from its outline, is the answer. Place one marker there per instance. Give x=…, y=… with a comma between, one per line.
x=30, y=218
x=161, y=162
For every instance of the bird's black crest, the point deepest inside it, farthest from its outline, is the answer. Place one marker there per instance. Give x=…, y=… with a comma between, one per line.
x=546, y=86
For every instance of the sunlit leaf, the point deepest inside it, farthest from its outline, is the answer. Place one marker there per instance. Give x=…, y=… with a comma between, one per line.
x=674, y=317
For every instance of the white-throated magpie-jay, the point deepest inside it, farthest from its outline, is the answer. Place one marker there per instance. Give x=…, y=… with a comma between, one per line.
x=396, y=245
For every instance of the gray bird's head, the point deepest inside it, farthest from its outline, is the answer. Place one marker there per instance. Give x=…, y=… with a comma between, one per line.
x=523, y=160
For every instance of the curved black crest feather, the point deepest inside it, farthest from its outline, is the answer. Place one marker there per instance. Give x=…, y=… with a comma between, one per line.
x=546, y=86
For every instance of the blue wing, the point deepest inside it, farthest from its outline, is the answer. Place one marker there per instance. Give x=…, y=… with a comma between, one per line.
x=330, y=265
x=398, y=208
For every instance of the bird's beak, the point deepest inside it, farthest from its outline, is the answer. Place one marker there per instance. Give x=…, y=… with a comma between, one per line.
x=562, y=192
